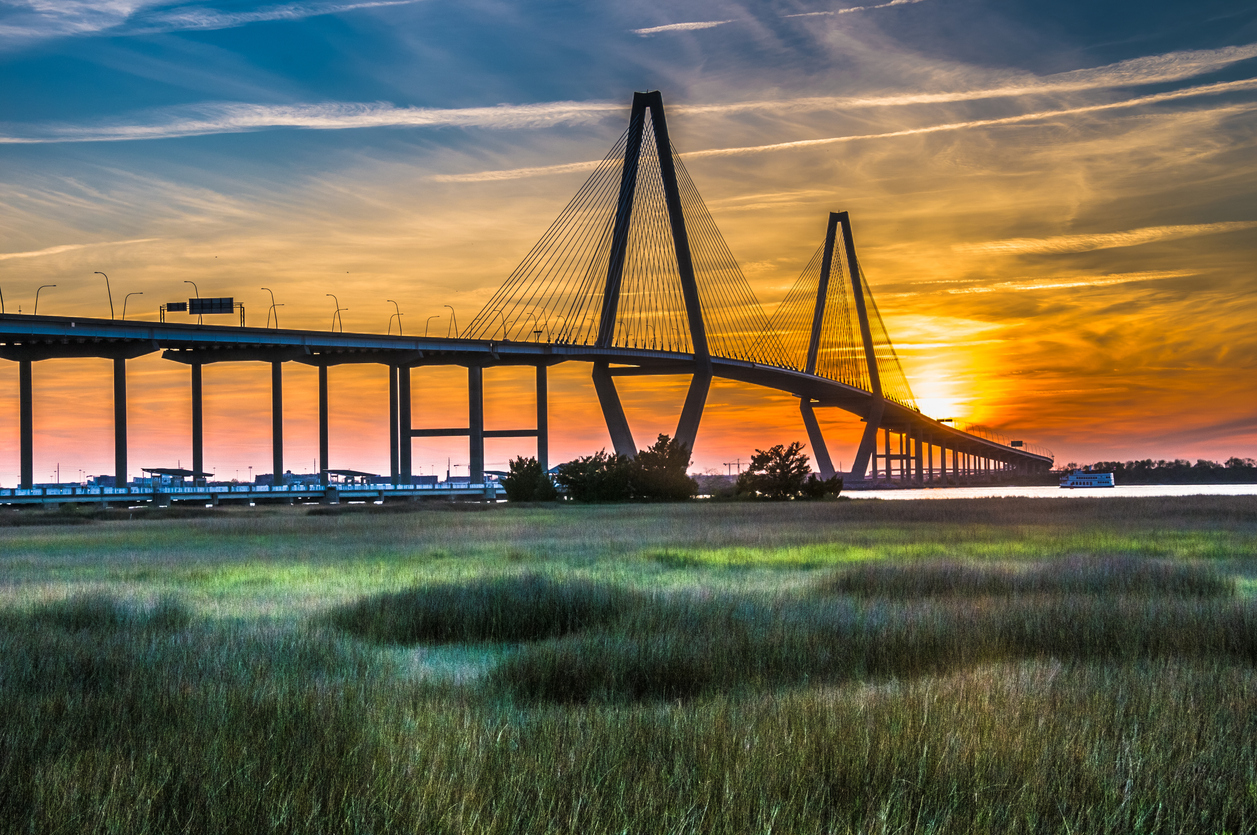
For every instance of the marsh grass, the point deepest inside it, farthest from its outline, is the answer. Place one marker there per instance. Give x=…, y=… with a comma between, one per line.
x=1072, y=576
x=706, y=697
x=525, y=607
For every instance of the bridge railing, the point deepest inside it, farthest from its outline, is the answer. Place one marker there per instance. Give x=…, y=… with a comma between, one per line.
x=989, y=434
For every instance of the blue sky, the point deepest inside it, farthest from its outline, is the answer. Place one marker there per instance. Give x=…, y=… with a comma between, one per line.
x=1056, y=203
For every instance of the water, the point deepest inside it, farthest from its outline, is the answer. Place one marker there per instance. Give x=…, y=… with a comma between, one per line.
x=995, y=491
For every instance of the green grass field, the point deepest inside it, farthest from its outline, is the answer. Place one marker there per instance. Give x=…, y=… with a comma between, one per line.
x=991, y=665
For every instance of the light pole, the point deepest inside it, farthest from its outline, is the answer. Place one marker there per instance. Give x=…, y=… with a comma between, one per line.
x=504, y=329
x=124, y=302
x=337, y=315
x=274, y=308
x=398, y=314
x=425, y=324
x=1, y=302
x=453, y=323
x=108, y=291
x=199, y=317
x=41, y=287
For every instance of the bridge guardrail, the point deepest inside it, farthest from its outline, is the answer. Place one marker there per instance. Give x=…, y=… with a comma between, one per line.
x=989, y=434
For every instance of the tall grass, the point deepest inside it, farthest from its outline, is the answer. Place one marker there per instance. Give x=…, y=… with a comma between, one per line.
x=1072, y=576
x=253, y=673
x=524, y=607
x=283, y=735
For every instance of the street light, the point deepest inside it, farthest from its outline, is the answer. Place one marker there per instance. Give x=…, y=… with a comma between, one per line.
x=425, y=324
x=199, y=318
x=398, y=314
x=108, y=291
x=124, y=302
x=337, y=315
x=41, y=287
x=273, y=308
x=453, y=324
x=505, y=334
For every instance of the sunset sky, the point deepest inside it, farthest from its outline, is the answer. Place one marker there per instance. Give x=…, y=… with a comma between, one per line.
x=1055, y=204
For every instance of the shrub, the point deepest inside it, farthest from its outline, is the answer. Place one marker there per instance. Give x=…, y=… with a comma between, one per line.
x=600, y=477
x=777, y=473
x=659, y=472
x=819, y=488
x=528, y=482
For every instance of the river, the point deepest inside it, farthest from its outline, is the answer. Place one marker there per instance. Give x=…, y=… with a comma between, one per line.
x=996, y=491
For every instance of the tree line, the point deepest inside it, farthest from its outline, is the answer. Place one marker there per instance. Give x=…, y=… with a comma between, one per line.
x=1180, y=471
x=660, y=473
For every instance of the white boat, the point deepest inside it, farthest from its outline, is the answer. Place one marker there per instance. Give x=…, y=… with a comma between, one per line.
x=1080, y=479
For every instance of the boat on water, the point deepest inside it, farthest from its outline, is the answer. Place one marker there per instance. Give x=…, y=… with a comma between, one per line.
x=1080, y=479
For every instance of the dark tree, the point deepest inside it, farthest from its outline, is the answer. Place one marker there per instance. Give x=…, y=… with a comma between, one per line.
x=600, y=477
x=528, y=482
x=658, y=473
x=777, y=473
x=820, y=488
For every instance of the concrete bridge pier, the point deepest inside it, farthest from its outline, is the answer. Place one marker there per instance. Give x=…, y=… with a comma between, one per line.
x=26, y=419
x=120, y=420
x=814, y=437
x=404, y=448
x=475, y=422
x=543, y=417
x=198, y=420
x=323, y=426
x=277, y=421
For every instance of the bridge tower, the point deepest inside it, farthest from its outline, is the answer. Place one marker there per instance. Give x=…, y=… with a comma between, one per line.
x=603, y=376
x=829, y=327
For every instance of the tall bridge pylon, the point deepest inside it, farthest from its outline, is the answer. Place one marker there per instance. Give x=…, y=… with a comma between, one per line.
x=636, y=262
x=829, y=326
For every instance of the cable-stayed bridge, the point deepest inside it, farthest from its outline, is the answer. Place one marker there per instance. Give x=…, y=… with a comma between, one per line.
x=633, y=277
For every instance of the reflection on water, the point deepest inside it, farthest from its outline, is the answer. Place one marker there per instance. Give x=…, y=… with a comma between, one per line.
x=1059, y=492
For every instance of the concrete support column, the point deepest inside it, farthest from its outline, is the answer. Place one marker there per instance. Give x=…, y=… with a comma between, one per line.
x=820, y=451
x=543, y=418
x=26, y=421
x=886, y=446
x=613, y=412
x=120, y=421
x=277, y=422
x=403, y=431
x=917, y=442
x=323, y=426
x=929, y=453
x=475, y=420
x=393, y=442
x=198, y=421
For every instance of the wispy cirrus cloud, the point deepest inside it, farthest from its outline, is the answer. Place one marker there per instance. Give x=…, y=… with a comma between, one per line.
x=212, y=118
x=711, y=24
x=57, y=250
x=1135, y=72
x=1038, y=116
x=41, y=19
x=1071, y=283
x=681, y=27
x=851, y=9
x=1108, y=240
x=239, y=118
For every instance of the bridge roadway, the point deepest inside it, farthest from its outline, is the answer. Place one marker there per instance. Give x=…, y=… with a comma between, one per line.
x=27, y=339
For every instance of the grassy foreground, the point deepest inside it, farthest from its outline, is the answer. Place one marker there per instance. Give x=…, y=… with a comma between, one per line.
x=1011, y=665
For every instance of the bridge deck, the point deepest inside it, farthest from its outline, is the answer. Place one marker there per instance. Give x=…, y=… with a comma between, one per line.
x=25, y=337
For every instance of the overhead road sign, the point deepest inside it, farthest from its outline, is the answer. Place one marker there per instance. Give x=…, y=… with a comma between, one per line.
x=198, y=307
